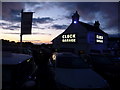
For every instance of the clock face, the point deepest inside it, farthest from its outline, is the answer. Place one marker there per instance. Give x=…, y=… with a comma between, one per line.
x=70, y=38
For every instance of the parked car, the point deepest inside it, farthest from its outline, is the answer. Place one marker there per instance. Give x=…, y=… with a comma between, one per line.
x=105, y=65
x=18, y=71
x=71, y=72
x=116, y=60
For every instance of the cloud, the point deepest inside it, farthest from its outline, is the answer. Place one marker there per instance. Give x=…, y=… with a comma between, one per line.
x=11, y=33
x=88, y=9
x=43, y=20
x=36, y=26
x=35, y=33
x=10, y=10
x=3, y=24
x=15, y=15
x=56, y=26
x=32, y=40
x=10, y=27
x=105, y=12
x=38, y=6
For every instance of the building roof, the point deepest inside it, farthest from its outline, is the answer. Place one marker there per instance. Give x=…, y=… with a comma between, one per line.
x=92, y=28
x=88, y=27
x=76, y=23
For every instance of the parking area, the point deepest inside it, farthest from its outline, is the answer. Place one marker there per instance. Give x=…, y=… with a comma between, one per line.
x=45, y=78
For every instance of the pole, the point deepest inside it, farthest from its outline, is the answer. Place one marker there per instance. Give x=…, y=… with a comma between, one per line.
x=21, y=32
x=21, y=43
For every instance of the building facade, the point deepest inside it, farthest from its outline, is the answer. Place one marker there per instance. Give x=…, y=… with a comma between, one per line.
x=81, y=37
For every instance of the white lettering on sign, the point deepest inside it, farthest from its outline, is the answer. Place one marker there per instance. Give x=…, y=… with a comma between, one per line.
x=99, y=39
x=69, y=38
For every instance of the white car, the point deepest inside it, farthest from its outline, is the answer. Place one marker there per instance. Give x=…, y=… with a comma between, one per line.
x=71, y=72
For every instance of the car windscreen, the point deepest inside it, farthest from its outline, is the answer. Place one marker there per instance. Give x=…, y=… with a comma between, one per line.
x=70, y=62
x=116, y=59
x=102, y=60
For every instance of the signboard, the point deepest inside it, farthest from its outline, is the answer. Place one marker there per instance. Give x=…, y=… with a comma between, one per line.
x=26, y=22
x=99, y=38
x=69, y=38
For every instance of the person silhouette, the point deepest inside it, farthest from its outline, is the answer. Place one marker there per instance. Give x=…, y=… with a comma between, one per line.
x=44, y=77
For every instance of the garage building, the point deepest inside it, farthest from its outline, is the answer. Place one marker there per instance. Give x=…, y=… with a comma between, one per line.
x=81, y=37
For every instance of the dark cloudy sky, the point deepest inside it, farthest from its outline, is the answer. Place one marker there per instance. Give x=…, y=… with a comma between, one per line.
x=52, y=18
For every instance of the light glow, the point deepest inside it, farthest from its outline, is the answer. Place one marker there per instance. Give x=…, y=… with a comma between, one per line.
x=54, y=57
x=28, y=60
x=75, y=22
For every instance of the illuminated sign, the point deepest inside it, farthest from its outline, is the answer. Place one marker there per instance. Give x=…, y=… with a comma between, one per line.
x=69, y=38
x=99, y=39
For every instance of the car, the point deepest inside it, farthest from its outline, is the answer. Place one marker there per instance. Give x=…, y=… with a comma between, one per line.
x=116, y=59
x=104, y=65
x=71, y=72
x=107, y=66
x=18, y=71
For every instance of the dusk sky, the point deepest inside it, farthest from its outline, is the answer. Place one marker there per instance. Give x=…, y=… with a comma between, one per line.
x=52, y=18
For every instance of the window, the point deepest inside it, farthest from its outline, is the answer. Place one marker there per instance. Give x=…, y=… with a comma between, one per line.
x=98, y=59
x=70, y=62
